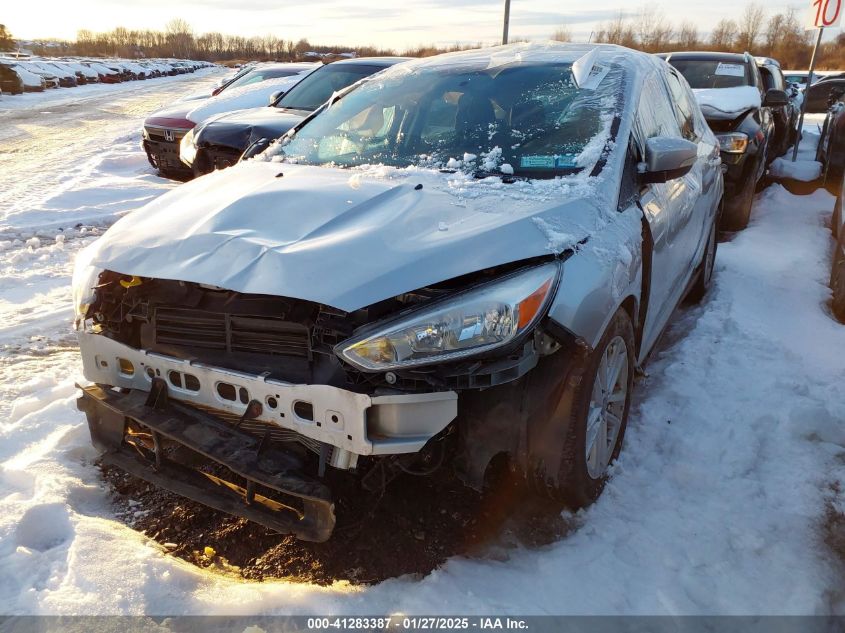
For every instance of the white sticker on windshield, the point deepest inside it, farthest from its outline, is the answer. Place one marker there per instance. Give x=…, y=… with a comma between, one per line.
x=731, y=70
x=597, y=73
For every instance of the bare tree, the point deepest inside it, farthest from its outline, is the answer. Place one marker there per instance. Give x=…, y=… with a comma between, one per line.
x=6, y=41
x=562, y=34
x=751, y=25
x=652, y=30
x=617, y=31
x=180, y=36
x=688, y=36
x=724, y=35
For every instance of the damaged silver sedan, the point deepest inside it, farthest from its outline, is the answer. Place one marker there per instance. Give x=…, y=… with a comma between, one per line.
x=463, y=258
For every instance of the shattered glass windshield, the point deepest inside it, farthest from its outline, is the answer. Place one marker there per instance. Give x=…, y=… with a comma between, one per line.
x=521, y=119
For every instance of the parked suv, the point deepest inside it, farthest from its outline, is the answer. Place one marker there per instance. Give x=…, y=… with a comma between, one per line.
x=785, y=116
x=830, y=151
x=738, y=108
x=220, y=141
x=459, y=261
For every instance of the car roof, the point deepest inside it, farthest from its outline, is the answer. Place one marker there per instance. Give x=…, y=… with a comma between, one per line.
x=706, y=56
x=537, y=53
x=372, y=61
x=287, y=65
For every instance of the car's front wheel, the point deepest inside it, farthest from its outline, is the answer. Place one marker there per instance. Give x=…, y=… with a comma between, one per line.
x=598, y=415
x=738, y=210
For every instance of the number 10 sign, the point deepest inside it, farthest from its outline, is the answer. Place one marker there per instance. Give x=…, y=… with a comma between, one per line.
x=825, y=13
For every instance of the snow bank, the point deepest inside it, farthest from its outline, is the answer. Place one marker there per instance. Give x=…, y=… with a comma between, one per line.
x=727, y=103
x=803, y=170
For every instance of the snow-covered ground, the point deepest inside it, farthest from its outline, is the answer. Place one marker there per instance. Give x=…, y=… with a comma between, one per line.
x=719, y=504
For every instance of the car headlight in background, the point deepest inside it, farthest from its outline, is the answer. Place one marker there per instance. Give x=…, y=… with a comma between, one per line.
x=733, y=142
x=187, y=149
x=472, y=322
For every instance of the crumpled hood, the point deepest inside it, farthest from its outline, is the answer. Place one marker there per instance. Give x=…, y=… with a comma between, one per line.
x=340, y=237
x=239, y=129
x=727, y=103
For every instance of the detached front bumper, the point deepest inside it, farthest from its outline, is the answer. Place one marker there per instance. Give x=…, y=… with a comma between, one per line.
x=149, y=437
x=168, y=411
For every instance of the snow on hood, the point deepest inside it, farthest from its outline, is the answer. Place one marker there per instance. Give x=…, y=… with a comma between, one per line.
x=727, y=103
x=345, y=238
x=249, y=96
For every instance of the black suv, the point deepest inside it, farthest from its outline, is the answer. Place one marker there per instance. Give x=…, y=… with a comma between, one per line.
x=745, y=128
x=785, y=116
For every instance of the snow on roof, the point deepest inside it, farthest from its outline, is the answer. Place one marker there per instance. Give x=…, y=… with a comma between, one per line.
x=249, y=96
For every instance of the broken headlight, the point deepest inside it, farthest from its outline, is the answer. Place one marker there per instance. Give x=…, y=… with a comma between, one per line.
x=471, y=322
x=85, y=278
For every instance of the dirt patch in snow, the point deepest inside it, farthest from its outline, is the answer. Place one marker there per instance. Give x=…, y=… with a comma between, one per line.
x=412, y=528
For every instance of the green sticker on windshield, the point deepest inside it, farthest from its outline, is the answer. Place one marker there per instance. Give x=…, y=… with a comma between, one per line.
x=544, y=162
x=560, y=161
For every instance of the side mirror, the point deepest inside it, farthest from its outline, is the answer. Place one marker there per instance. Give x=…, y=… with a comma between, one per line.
x=276, y=96
x=775, y=98
x=255, y=148
x=667, y=158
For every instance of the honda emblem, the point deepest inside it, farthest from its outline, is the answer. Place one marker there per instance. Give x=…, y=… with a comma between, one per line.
x=168, y=135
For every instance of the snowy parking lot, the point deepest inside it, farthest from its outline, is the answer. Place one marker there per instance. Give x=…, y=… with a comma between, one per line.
x=729, y=497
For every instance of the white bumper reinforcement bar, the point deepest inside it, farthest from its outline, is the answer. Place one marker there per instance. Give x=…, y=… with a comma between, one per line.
x=357, y=423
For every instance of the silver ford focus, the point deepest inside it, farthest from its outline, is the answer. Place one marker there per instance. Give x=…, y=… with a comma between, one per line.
x=461, y=258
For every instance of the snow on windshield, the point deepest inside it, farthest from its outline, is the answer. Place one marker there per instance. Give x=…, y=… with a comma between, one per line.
x=530, y=119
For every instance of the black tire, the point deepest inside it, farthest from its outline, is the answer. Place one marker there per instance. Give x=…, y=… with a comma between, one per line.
x=575, y=486
x=738, y=210
x=837, y=279
x=704, y=278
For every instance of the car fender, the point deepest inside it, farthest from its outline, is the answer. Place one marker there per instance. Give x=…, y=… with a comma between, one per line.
x=599, y=277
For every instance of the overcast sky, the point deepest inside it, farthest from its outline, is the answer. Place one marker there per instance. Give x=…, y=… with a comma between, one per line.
x=397, y=24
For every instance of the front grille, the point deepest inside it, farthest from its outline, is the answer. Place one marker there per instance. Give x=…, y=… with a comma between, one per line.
x=157, y=134
x=185, y=327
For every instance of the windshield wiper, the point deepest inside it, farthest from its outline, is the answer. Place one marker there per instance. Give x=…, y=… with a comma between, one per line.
x=486, y=173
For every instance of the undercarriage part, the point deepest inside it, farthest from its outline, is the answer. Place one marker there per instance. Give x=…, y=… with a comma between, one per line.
x=251, y=478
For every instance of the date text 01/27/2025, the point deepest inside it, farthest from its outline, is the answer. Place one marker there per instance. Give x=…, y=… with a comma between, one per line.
x=416, y=623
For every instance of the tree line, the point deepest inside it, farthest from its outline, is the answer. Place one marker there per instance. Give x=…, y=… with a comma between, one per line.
x=779, y=35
